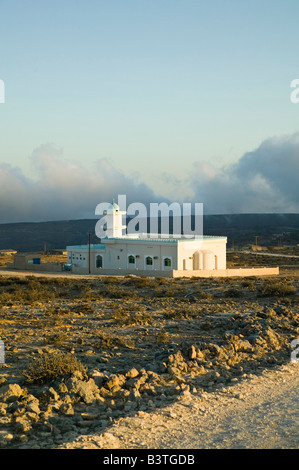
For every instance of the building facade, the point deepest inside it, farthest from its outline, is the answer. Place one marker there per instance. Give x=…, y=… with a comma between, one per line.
x=144, y=253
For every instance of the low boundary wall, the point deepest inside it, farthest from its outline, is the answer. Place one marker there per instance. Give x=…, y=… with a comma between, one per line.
x=241, y=272
x=39, y=268
x=122, y=272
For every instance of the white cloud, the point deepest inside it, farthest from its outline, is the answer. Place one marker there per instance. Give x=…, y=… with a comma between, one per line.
x=63, y=189
x=264, y=180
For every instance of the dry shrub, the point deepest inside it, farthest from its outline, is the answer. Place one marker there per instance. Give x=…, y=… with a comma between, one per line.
x=139, y=282
x=233, y=293
x=163, y=337
x=276, y=288
x=249, y=283
x=133, y=319
x=115, y=292
x=111, y=280
x=50, y=366
x=109, y=341
x=57, y=339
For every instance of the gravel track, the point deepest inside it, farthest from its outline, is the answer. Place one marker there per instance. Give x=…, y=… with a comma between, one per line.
x=261, y=412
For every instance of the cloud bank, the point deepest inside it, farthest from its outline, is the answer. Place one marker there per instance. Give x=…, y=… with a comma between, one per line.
x=63, y=190
x=264, y=180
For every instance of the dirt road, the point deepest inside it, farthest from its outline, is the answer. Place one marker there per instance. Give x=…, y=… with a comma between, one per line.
x=258, y=413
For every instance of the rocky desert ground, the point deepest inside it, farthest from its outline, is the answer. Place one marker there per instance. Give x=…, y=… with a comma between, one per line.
x=83, y=355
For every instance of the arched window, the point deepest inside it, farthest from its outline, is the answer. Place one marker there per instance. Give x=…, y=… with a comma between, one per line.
x=149, y=261
x=99, y=261
x=167, y=262
x=131, y=259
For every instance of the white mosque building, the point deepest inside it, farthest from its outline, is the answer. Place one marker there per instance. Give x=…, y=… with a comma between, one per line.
x=144, y=254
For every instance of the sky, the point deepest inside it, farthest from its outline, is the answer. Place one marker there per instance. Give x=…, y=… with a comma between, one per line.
x=161, y=100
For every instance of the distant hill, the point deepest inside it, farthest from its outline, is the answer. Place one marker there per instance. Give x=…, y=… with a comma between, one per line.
x=240, y=229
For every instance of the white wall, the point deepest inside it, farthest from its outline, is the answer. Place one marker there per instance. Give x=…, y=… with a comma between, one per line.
x=186, y=250
x=78, y=257
x=117, y=255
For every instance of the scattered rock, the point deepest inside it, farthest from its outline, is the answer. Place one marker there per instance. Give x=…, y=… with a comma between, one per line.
x=132, y=373
x=66, y=409
x=22, y=425
x=222, y=345
x=10, y=392
x=86, y=390
x=5, y=438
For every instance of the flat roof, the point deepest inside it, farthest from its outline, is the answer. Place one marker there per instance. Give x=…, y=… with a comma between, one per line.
x=167, y=239
x=98, y=246
x=143, y=238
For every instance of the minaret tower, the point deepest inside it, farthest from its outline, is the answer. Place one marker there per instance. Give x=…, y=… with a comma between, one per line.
x=113, y=217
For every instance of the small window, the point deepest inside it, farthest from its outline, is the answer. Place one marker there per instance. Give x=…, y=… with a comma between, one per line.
x=99, y=261
x=131, y=259
x=167, y=262
x=149, y=261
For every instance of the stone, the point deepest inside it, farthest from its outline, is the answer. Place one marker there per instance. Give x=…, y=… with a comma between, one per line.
x=31, y=417
x=53, y=394
x=272, y=338
x=199, y=355
x=214, y=348
x=86, y=390
x=134, y=395
x=89, y=416
x=132, y=373
x=83, y=424
x=33, y=406
x=174, y=371
x=66, y=409
x=141, y=381
x=115, y=381
x=105, y=393
x=99, y=378
x=10, y=392
x=192, y=353
x=62, y=388
x=3, y=407
x=22, y=425
x=5, y=438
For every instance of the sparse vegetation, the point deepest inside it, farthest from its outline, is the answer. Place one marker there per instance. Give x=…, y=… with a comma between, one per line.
x=49, y=367
x=233, y=293
x=280, y=288
x=170, y=332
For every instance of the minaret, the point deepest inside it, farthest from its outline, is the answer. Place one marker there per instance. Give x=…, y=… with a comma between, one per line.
x=115, y=226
